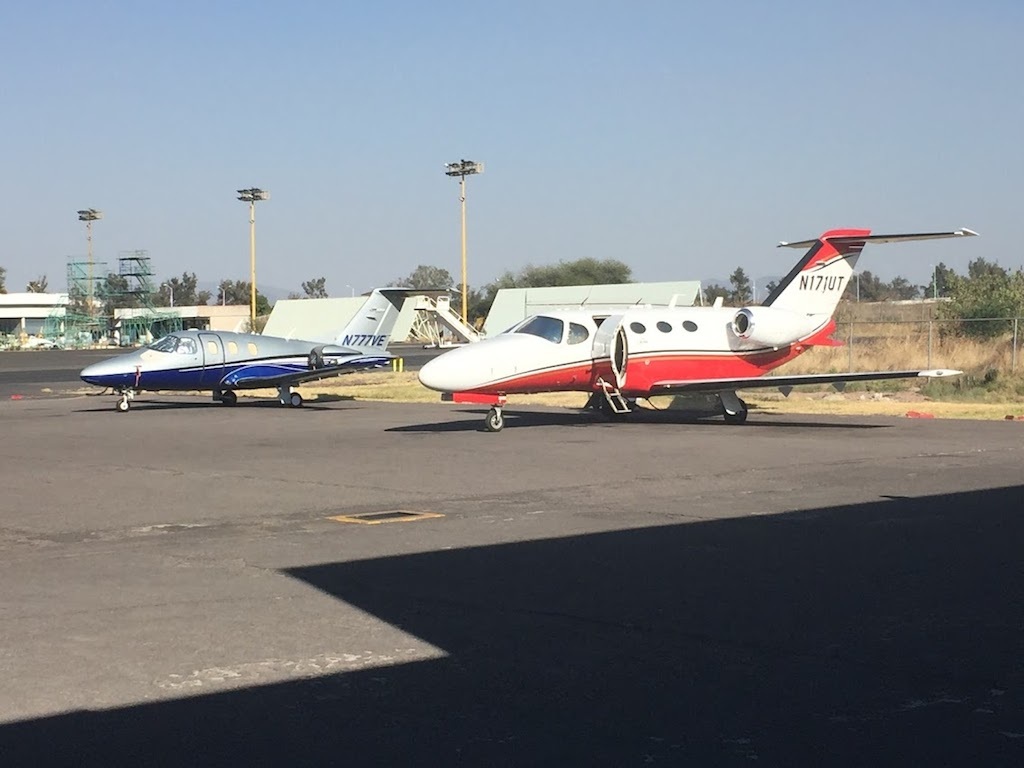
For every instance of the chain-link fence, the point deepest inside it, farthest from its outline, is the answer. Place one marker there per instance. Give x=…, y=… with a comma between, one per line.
x=971, y=344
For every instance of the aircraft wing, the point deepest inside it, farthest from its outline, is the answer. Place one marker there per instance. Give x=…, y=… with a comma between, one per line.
x=259, y=376
x=787, y=382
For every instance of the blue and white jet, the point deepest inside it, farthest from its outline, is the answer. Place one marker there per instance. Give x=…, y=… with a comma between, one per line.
x=224, y=362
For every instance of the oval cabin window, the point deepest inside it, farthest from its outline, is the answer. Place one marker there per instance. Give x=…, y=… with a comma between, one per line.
x=689, y=325
x=637, y=327
x=664, y=327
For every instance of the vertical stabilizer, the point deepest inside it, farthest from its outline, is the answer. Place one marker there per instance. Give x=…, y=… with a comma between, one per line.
x=815, y=285
x=369, y=331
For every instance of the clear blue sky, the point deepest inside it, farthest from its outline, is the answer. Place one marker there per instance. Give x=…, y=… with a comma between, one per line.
x=685, y=138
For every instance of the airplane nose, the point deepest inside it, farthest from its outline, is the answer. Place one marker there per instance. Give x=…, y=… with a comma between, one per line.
x=445, y=373
x=104, y=373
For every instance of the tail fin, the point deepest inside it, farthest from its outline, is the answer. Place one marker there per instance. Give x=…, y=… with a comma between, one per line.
x=369, y=331
x=815, y=285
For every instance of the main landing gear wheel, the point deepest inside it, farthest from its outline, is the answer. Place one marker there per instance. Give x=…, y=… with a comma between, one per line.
x=494, y=421
x=228, y=397
x=736, y=418
x=295, y=400
x=123, y=405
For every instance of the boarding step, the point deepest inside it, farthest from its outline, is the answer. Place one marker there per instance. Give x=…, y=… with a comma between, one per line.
x=614, y=397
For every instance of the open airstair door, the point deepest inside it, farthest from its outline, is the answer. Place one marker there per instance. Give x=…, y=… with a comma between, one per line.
x=611, y=351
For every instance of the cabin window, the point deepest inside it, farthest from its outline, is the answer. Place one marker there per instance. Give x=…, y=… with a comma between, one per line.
x=689, y=325
x=232, y=348
x=252, y=348
x=549, y=328
x=637, y=327
x=578, y=333
x=212, y=348
x=664, y=327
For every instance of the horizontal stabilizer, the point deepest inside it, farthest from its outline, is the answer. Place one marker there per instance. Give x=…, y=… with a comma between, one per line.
x=963, y=232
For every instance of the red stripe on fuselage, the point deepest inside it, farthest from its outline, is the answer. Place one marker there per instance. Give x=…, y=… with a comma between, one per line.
x=643, y=371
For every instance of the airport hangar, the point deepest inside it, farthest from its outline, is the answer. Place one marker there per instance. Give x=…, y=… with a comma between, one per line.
x=424, y=314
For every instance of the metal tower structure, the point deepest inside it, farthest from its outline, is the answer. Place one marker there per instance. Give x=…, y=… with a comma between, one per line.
x=135, y=291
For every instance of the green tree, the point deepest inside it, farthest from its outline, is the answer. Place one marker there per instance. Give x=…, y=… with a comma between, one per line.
x=741, y=293
x=982, y=268
x=3, y=280
x=39, y=285
x=901, y=289
x=940, y=283
x=985, y=301
x=238, y=292
x=426, y=277
x=182, y=291
x=315, y=288
x=716, y=291
x=113, y=293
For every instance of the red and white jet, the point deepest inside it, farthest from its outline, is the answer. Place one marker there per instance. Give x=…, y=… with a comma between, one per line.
x=645, y=351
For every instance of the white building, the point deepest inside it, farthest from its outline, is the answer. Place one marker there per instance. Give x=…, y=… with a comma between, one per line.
x=25, y=314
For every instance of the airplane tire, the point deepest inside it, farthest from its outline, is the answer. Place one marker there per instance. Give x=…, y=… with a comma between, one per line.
x=316, y=360
x=228, y=397
x=123, y=405
x=736, y=418
x=295, y=400
x=494, y=421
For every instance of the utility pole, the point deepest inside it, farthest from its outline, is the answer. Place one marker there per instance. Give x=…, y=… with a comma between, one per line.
x=89, y=215
x=462, y=169
x=250, y=196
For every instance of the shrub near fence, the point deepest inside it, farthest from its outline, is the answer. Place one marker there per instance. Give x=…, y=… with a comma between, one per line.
x=902, y=344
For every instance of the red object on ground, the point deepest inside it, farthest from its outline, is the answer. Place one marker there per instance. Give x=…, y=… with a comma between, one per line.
x=919, y=415
x=17, y=397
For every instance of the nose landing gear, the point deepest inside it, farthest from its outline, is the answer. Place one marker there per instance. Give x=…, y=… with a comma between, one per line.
x=127, y=395
x=494, y=421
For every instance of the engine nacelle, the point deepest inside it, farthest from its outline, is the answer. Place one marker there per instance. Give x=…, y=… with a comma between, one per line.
x=770, y=327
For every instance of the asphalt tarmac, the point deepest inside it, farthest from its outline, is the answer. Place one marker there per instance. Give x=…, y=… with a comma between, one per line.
x=186, y=584
x=48, y=372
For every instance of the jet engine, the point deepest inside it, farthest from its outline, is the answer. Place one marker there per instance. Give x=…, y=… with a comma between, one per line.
x=770, y=327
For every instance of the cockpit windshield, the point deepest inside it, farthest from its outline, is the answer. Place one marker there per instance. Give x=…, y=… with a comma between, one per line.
x=549, y=328
x=166, y=344
x=180, y=345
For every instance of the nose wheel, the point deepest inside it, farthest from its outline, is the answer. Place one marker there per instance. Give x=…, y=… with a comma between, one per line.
x=494, y=421
x=124, y=403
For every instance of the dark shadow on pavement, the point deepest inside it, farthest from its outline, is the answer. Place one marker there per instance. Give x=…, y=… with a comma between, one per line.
x=571, y=417
x=887, y=633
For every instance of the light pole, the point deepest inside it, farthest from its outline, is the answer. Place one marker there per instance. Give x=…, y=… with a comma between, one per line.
x=462, y=169
x=351, y=290
x=935, y=282
x=89, y=215
x=250, y=196
x=170, y=290
x=857, y=274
